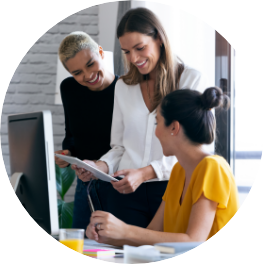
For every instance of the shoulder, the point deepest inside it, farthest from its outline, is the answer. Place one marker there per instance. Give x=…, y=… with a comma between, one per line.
x=122, y=88
x=114, y=81
x=68, y=82
x=177, y=167
x=213, y=177
x=193, y=79
x=214, y=168
x=176, y=173
x=191, y=72
x=120, y=83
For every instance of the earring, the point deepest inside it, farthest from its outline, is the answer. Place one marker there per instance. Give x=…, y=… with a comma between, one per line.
x=172, y=134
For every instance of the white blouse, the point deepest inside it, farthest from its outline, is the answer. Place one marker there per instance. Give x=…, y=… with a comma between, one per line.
x=133, y=141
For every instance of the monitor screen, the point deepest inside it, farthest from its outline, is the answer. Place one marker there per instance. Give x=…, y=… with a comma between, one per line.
x=32, y=153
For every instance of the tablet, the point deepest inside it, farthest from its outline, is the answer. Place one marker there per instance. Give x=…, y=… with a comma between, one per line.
x=97, y=173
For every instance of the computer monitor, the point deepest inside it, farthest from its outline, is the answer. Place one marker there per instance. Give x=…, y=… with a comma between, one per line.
x=32, y=166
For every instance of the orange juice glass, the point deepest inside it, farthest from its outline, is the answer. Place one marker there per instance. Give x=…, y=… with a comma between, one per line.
x=72, y=238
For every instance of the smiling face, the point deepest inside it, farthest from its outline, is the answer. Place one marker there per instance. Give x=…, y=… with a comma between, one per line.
x=87, y=68
x=141, y=50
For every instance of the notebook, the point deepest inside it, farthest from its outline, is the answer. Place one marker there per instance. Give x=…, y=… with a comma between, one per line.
x=99, y=253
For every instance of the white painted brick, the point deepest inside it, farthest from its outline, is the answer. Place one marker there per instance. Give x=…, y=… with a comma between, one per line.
x=11, y=88
x=3, y=128
x=47, y=68
x=49, y=89
x=37, y=68
x=93, y=10
x=57, y=147
x=6, y=159
x=15, y=78
x=27, y=77
x=20, y=99
x=4, y=139
x=49, y=99
x=25, y=68
x=25, y=59
x=37, y=99
x=90, y=29
x=42, y=58
x=5, y=150
x=67, y=29
x=28, y=88
x=58, y=119
x=51, y=38
x=55, y=109
x=70, y=19
x=58, y=130
x=87, y=20
x=7, y=167
x=45, y=78
x=54, y=29
x=3, y=119
x=8, y=99
x=58, y=140
x=45, y=48
x=14, y=109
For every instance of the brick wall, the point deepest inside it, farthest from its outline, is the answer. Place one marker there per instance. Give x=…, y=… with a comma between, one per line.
x=32, y=87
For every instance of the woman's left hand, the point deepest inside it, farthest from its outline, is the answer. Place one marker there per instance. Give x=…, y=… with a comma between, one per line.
x=133, y=178
x=107, y=226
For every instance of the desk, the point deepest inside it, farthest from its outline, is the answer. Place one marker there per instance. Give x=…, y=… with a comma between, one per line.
x=91, y=244
x=127, y=257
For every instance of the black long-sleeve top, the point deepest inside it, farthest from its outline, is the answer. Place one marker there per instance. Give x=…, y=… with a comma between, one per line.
x=88, y=119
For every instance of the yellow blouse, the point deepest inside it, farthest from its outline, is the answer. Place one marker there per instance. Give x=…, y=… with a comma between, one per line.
x=213, y=178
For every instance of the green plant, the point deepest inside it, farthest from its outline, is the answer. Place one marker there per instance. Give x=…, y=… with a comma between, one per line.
x=64, y=180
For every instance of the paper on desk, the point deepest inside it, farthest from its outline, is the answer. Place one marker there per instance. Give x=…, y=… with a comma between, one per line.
x=92, y=244
x=146, y=252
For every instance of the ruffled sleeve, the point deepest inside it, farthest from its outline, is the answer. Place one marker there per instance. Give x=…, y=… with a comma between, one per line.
x=211, y=179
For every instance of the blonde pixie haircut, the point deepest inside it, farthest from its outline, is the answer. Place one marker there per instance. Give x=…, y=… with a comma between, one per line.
x=74, y=43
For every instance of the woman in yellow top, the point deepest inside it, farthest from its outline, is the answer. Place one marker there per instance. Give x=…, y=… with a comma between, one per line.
x=201, y=196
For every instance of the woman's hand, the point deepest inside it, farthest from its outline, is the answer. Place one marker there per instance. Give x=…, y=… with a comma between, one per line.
x=107, y=226
x=83, y=174
x=133, y=178
x=61, y=163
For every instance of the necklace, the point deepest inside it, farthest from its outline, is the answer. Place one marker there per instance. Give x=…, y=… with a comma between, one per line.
x=149, y=93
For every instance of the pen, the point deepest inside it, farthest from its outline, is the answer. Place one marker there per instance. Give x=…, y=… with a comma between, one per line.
x=90, y=202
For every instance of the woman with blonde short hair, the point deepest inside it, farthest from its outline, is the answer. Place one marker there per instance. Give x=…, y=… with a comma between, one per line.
x=87, y=97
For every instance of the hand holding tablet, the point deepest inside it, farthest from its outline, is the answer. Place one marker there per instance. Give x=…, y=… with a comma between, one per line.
x=97, y=173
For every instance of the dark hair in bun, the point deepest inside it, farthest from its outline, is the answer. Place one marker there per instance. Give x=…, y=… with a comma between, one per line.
x=192, y=110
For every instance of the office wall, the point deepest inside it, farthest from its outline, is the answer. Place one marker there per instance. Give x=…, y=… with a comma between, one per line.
x=32, y=87
x=107, y=25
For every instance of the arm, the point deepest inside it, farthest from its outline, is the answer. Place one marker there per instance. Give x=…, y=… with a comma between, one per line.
x=156, y=224
x=68, y=141
x=200, y=223
x=134, y=178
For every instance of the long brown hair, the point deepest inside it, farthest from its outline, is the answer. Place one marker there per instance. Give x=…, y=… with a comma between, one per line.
x=168, y=68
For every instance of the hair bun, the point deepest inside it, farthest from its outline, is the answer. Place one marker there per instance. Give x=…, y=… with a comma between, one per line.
x=214, y=97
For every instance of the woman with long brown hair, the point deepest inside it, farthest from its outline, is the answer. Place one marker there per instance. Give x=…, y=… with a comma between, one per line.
x=136, y=156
